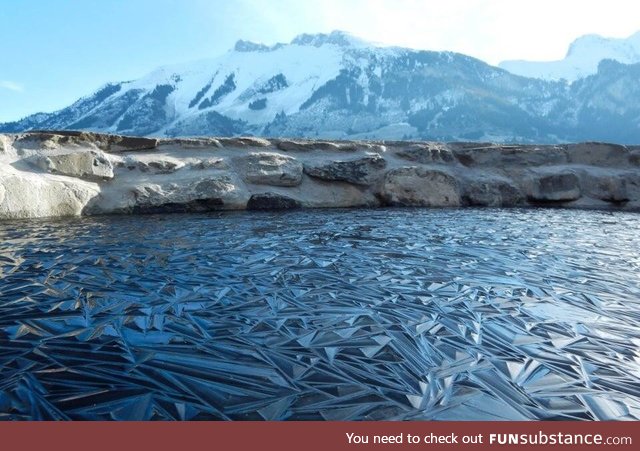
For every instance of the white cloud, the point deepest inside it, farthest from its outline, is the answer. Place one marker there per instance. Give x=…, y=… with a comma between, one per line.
x=11, y=86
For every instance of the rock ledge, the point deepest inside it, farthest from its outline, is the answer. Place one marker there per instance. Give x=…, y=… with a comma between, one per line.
x=67, y=173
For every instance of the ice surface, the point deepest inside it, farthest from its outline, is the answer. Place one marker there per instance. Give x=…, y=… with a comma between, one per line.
x=335, y=315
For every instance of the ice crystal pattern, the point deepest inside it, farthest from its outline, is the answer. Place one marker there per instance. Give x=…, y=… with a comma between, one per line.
x=334, y=315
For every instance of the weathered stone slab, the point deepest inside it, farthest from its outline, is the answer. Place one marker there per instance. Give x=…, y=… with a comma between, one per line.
x=216, y=192
x=210, y=163
x=426, y=153
x=417, y=186
x=106, y=142
x=608, y=187
x=243, y=142
x=494, y=155
x=32, y=196
x=191, y=143
x=306, y=146
x=492, y=192
x=598, y=154
x=156, y=166
x=562, y=186
x=362, y=171
x=265, y=168
x=85, y=165
x=272, y=201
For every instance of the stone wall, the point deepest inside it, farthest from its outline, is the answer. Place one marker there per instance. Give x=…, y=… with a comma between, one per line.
x=76, y=173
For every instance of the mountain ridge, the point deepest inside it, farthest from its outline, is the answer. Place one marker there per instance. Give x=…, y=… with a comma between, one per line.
x=582, y=58
x=336, y=86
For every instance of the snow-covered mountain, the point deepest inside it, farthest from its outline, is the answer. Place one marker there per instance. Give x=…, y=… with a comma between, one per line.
x=582, y=59
x=339, y=87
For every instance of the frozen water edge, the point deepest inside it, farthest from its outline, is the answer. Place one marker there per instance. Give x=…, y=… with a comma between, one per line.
x=322, y=314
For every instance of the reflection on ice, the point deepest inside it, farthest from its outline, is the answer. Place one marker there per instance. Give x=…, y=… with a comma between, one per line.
x=336, y=315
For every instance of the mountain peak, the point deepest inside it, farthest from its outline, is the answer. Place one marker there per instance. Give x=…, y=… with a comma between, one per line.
x=585, y=42
x=248, y=46
x=582, y=59
x=336, y=37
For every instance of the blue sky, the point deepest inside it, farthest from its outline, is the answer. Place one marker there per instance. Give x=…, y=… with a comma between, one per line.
x=54, y=51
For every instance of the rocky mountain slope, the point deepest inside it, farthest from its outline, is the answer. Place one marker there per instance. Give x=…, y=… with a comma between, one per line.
x=334, y=86
x=582, y=59
x=72, y=173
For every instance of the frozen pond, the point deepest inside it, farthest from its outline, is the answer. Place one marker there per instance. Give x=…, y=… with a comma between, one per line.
x=324, y=314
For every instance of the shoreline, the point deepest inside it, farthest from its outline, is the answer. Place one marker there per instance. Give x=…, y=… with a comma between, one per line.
x=64, y=173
